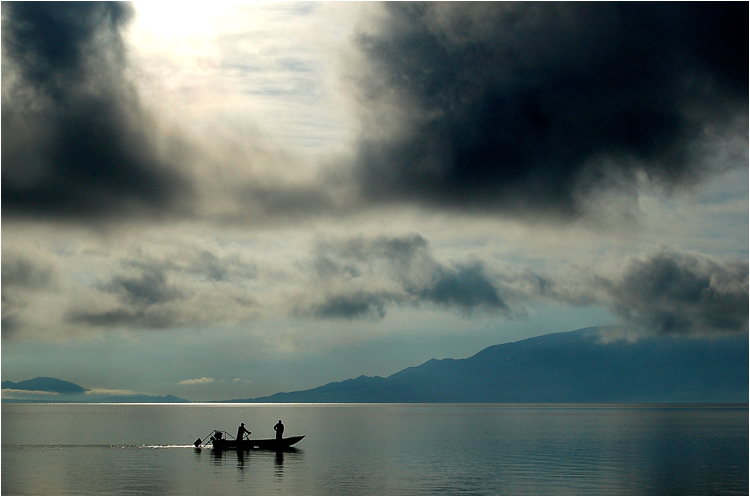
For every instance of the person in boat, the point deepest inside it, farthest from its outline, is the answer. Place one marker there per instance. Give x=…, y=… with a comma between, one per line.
x=241, y=431
x=279, y=428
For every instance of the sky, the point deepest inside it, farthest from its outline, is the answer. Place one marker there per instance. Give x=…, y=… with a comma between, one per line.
x=228, y=200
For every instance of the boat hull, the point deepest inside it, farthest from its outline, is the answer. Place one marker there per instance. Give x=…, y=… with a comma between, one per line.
x=264, y=443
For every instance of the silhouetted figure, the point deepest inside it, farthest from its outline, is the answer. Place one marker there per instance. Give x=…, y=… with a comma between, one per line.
x=241, y=431
x=279, y=430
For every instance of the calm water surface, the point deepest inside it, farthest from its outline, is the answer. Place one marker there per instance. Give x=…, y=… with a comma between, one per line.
x=359, y=449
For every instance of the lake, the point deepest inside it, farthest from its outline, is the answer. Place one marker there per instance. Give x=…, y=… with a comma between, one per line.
x=377, y=449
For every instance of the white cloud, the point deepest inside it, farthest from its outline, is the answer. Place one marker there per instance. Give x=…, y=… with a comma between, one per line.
x=197, y=381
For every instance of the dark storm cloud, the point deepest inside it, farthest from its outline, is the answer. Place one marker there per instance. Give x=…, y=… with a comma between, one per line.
x=22, y=272
x=149, y=288
x=126, y=317
x=677, y=293
x=669, y=292
x=359, y=305
x=75, y=140
x=464, y=287
x=141, y=302
x=534, y=108
x=385, y=271
x=186, y=287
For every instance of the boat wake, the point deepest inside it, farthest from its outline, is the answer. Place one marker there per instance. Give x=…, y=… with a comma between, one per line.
x=96, y=446
x=167, y=446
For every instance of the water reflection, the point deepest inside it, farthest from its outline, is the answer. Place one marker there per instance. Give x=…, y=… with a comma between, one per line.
x=382, y=450
x=278, y=464
x=219, y=456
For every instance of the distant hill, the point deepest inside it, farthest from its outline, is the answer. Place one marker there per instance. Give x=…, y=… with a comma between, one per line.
x=45, y=389
x=575, y=367
x=45, y=384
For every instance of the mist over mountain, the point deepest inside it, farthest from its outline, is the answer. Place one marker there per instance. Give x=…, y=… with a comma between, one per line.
x=575, y=367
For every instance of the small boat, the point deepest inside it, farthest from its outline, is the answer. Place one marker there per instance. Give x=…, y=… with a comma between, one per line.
x=220, y=441
x=263, y=443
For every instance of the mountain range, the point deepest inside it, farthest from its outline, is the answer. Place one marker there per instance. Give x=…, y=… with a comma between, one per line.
x=571, y=367
x=575, y=367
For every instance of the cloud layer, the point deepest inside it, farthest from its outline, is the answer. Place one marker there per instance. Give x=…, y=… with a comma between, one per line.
x=527, y=110
x=361, y=277
x=532, y=109
x=76, y=142
x=306, y=188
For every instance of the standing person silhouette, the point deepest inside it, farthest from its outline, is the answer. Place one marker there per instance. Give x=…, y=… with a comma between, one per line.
x=241, y=431
x=279, y=427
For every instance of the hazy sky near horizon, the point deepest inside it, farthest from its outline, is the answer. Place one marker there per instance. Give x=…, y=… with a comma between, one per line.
x=227, y=200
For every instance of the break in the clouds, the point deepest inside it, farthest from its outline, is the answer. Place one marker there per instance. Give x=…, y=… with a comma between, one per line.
x=535, y=109
x=76, y=142
x=79, y=144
